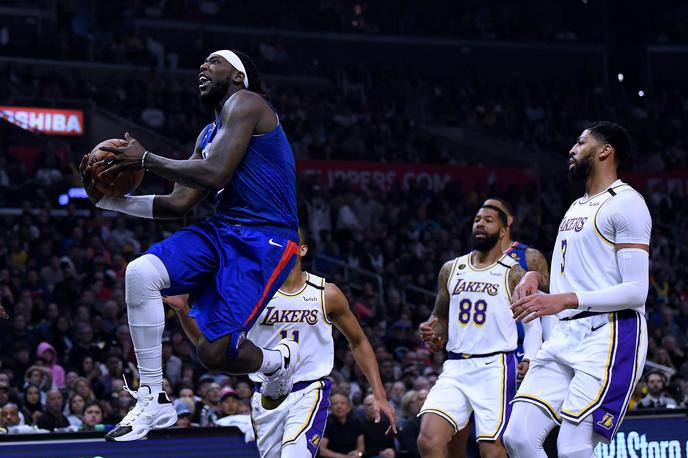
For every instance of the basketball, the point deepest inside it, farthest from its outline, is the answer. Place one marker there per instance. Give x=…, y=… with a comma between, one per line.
x=116, y=184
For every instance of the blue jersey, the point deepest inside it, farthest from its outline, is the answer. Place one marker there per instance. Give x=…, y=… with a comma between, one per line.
x=262, y=190
x=518, y=253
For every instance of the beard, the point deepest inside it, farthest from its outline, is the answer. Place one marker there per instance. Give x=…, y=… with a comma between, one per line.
x=218, y=89
x=581, y=169
x=485, y=244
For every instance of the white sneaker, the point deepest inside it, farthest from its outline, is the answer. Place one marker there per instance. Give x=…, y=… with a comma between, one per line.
x=281, y=382
x=152, y=411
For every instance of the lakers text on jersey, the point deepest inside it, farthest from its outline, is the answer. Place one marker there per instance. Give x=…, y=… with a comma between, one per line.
x=480, y=374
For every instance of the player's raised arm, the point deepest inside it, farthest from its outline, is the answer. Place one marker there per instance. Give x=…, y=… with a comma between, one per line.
x=340, y=313
x=434, y=330
x=239, y=117
x=537, y=262
x=168, y=206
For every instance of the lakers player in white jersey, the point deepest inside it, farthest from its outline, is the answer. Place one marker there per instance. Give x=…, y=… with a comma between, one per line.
x=585, y=373
x=304, y=309
x=529, y=258
x=472, y=315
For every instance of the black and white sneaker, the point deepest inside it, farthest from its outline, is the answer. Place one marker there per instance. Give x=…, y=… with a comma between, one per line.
x=281, y=382
x=152, y=411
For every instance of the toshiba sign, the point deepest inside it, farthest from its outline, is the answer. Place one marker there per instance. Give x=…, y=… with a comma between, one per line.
x=53, y=121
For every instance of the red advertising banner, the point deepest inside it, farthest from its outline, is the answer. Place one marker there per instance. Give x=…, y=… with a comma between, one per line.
x=53, y=121
x=363, y=175
x=674, y=182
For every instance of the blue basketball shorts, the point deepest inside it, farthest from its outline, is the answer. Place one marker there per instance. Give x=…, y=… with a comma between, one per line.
x=232, y=271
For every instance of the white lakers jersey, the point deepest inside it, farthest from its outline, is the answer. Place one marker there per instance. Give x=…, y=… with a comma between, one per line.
x=302, y=317
x=480, y=318
x=584, y=255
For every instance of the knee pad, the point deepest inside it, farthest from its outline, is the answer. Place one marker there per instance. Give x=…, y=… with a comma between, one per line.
x=144, y=278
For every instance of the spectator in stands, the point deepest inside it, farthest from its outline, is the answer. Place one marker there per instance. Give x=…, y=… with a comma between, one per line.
x=4, y=393
x=53, y=417
x=47, y=353
x=93, y=415
x=75, y=409
x=343, y=434
x=377, y=443
x=9, y=415
x=184, y=408
x=409, y=426
x=39, y=376
x=229, y=402
x=211, y=406
x=32, y=409
x=678, y=390
x=396, y=395
x=83, y=387
x=656, y=397
x=244, y=390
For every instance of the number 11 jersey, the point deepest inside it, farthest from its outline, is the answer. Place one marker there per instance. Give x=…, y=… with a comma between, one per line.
x=302, y=317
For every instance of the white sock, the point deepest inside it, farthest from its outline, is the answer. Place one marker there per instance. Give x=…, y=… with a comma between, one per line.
x=145, y=277
x=272, y=361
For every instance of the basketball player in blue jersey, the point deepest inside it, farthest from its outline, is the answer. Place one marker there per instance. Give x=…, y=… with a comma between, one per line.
x=304, y=308
x=530, y=259
x=232, y=262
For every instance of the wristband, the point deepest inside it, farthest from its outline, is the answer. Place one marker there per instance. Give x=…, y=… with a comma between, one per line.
x=143, y=159
x=141, y=206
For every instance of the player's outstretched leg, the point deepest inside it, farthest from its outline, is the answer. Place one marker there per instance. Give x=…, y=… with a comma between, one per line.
x=145, y=277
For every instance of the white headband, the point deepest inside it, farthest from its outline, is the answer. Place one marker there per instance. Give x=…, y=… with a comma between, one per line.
x=233, y=59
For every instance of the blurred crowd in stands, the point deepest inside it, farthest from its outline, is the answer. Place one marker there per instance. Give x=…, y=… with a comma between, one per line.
x=381, y=116
x=90, y=20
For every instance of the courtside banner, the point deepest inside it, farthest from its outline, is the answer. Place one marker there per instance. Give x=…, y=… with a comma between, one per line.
x=52, y=121
x=365, y=175
x=649, y=437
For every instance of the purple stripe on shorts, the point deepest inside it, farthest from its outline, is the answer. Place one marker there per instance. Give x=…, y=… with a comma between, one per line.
x=511, y=373
x=314, y=434
x=607, y=417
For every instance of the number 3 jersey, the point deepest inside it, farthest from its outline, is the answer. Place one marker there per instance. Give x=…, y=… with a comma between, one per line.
x=584, y=255
x=300, y=316
x=480, y=318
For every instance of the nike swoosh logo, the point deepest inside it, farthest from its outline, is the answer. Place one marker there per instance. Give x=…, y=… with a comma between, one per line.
x=598, y=327
x=520, y=354
x=271, y=242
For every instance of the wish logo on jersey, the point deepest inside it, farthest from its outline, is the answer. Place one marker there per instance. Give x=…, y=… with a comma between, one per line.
x=573, y=224
x=274, y=316
x=476, y=287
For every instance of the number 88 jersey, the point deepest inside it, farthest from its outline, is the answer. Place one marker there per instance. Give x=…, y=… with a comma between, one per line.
x=480, y=318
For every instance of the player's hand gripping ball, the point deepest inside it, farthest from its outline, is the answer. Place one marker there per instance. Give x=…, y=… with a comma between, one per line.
x=115, y=184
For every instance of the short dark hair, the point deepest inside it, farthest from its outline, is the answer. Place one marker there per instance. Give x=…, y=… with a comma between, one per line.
x=502, y=216
x=615, y=135
x=255, y=84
